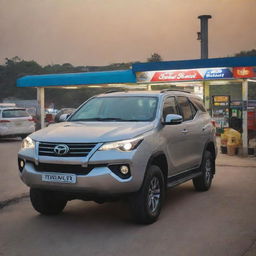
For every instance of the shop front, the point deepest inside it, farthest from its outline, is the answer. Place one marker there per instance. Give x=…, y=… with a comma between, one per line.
x=227, y=85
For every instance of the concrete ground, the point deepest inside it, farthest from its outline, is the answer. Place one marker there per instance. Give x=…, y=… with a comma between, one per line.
x=10, y=184
x=220, y=222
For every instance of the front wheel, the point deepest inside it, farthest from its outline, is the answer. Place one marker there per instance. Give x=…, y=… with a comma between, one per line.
x=46, y=202
x=204, y=181
x=147, y=202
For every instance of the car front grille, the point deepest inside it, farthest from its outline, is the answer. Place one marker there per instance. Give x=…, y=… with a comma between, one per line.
x=75, y=149
x=63, y=168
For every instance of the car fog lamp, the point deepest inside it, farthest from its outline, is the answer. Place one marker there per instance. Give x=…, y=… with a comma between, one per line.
x=124, y=169
x=21, y=163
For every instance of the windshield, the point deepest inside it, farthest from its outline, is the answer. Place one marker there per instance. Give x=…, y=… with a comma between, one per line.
x=12, y=113
x=131, y=108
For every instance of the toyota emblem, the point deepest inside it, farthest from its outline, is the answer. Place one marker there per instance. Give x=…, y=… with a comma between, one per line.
x=61, y=149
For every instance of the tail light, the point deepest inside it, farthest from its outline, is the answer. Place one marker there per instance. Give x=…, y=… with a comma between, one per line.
x=31, y=119
x=5, y=121
x=213, y=123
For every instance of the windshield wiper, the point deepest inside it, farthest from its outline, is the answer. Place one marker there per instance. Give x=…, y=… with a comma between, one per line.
x=98, y=119
x=108, y=119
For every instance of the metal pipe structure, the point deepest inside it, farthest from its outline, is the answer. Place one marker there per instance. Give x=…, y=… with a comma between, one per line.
x=203, y=35
x=41, y=103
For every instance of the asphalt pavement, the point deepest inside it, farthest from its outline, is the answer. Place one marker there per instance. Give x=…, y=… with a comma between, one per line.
x=11, y=187
x=219, y=222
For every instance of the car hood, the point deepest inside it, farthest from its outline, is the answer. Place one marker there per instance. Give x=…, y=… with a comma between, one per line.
x=91, y=131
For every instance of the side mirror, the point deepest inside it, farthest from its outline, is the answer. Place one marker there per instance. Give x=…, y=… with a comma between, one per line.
x=63, y=117
x=172, y=119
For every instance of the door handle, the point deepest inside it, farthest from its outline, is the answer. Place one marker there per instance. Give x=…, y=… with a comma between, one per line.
x=185, y=131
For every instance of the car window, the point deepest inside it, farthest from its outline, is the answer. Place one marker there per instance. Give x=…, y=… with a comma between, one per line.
x=185, y=106
x=193, y=109
x=170, y=107
x=12, y=113
x=199, y=104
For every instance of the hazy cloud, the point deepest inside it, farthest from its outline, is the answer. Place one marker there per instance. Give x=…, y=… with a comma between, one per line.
x=97, y=32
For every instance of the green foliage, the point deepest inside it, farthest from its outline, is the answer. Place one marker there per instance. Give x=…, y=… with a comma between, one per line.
x=155, y=57
x=246, y=53
x=15, y=68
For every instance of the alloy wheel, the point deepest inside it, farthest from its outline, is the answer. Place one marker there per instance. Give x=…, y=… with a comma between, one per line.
x=154, y=194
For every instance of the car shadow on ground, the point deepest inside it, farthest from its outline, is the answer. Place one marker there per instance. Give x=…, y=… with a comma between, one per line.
x=10, y=139
x=112, y=213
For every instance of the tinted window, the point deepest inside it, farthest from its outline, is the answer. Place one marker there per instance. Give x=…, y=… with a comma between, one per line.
x=170, y=107
x=199, y=104
x=132, y=108
x=193, y=109
x=11, y=113
x=185, y=108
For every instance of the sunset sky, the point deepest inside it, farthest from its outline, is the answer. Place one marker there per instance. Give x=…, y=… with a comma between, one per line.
x=100, y=32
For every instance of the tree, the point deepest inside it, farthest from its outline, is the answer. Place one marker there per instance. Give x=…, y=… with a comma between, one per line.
x=155, y=57
x=246, y=53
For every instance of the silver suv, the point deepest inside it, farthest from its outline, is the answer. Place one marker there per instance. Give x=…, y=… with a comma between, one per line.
x=121, y=144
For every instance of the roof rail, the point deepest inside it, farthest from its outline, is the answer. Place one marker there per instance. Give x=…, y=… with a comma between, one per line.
x=112, y=91
x=167, y=90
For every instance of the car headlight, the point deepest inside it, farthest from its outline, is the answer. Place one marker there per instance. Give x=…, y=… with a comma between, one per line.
x=27, y=143
x=125, y=145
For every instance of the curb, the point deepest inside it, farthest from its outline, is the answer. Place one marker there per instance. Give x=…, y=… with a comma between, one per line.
x=13, y=200
x=231, y=165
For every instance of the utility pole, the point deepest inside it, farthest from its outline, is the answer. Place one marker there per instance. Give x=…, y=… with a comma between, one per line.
x=203, y=35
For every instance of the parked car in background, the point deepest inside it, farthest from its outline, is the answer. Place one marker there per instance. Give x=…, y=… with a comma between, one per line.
x=15, y=122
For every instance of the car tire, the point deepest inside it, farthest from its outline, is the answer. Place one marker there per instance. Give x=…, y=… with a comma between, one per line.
x=46, y=202
x=146, y=204
x=204, y=181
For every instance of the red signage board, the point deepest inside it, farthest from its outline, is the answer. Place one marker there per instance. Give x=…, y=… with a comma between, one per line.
x=180, y=75
x=244, y=72
x=196, y=74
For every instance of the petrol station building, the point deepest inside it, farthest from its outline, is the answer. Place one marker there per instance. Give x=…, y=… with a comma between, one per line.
x=227, y=86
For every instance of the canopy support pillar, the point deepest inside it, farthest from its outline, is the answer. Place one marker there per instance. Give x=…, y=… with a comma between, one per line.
x=245, y=118
x=41, y=104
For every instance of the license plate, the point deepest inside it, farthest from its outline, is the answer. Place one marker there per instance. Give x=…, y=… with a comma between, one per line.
x=59, y=178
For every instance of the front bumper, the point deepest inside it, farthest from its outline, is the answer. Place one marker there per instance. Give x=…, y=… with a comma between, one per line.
x=100, y=180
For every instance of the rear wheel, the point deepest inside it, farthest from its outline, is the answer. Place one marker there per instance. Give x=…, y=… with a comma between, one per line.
x=46, y=202
x=147, y=203
x=204, y=181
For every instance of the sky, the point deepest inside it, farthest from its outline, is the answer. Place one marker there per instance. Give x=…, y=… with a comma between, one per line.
x=101, y=32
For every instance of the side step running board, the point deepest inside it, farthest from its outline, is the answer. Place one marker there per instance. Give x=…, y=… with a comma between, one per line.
x=182, y=177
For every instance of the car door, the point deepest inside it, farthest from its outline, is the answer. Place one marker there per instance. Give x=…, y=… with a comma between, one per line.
x=192, y=131
x=173, y=137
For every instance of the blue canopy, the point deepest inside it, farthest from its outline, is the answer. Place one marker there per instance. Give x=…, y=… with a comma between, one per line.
x=87, y=78
x=194, y=64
